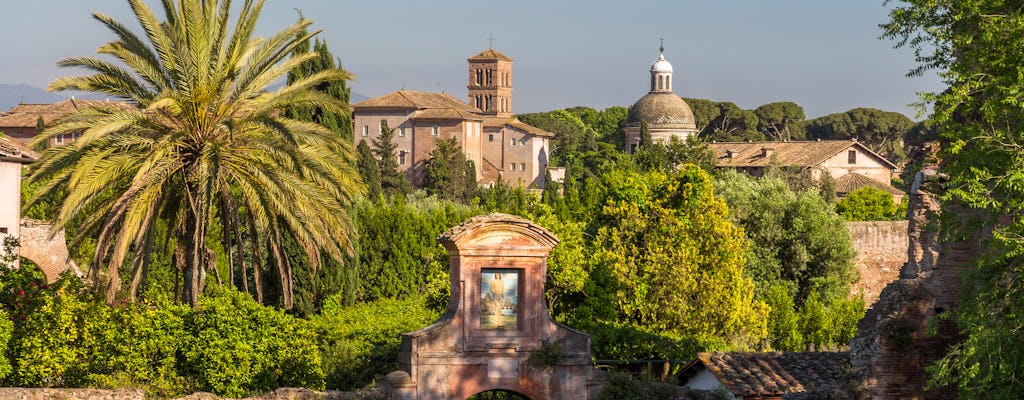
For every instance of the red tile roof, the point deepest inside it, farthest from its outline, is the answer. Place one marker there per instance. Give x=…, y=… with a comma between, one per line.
x=12, y=149
x=27, y=115
x=489, y=55
x=773, y=374
x=804, y=154
x=853, y=181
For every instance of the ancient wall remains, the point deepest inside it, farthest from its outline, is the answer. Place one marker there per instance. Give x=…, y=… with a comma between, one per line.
x=50, y=254
x=902, y=333
x=881, y=252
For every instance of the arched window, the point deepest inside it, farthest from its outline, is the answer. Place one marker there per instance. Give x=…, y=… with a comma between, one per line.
x=668, y=82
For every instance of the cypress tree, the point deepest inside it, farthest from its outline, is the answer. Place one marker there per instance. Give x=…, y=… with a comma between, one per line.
x=341, y=124
x=392, y=181
x=369, y=170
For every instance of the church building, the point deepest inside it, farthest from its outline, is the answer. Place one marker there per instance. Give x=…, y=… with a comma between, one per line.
x=665, y=113
x=499, y=145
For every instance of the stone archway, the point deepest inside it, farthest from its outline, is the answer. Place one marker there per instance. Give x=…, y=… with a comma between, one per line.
x=496, y=334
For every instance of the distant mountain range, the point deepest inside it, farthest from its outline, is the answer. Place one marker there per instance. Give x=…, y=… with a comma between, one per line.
x=12, y=95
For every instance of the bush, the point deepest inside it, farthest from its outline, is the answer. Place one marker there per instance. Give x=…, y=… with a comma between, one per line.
x=360, y=343
x=869, y=204
x=236, y=346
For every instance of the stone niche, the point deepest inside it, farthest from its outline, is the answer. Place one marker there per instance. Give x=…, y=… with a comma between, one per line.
x=496, y=333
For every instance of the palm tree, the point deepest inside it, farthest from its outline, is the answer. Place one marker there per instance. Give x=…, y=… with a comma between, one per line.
x=202, y=140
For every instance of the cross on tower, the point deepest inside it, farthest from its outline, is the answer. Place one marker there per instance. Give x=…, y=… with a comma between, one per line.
x=490, y=39
x=662, y=48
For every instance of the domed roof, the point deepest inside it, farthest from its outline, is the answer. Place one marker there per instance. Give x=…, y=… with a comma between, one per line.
x=662, y=110
x=661, y=65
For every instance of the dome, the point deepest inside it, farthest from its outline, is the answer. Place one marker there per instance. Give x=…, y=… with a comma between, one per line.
x=661, y=110
x=661, y=65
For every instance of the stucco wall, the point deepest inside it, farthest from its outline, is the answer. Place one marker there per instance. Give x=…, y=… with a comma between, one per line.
x=881, y=252
x=865, y=164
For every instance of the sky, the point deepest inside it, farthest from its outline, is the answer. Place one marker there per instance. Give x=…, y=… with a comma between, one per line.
x=825, y=55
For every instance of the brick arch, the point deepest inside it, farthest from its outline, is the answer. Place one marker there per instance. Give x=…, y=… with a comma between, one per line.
x=502, y=390
x=50, y=254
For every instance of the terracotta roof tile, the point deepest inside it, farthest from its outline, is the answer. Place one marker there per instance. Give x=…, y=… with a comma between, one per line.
x=489, y=55
x=27, y=115
x=13, y=149
x=804, y=154
x=773, y=374
x=853, y=181
x=513, y=122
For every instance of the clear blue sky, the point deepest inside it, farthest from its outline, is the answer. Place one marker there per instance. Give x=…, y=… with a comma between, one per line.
x=824, y=55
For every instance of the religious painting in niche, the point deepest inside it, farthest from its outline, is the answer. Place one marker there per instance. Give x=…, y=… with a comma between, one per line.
x=499, y=299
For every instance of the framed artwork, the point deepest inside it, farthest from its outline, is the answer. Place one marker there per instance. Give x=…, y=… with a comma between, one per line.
x=499, y=299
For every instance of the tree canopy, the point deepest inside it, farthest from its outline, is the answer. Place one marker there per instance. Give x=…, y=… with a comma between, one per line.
x=977, y=47
x=202, y=144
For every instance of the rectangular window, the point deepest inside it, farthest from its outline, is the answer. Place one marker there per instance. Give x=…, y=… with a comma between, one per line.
x=851, y=156
x=401, y=131
x=490, y=137
x=3, y=230
x=60, y=138
x=366, y=130
x=435, y=130
x=522, y=166
x=512, y=142
x=512, y=167
x=401, y=157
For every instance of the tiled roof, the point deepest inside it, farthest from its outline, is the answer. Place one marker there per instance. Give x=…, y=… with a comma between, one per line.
x=408, y=99
x=804, y=154
x=14, y=149
x=773, y=374
x=489, y=55
x=446, y=113
x=662, y=110
x=513, y=122
x=27, y=115
x=853, y=181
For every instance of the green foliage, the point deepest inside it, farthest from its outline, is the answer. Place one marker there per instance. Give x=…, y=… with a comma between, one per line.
x=203, y=142
x=449, y=174
x=795, y=236
x=781, y=120
x=976, y=47
x=338, y=122
x=397, y=251
x=6, y=331
x=673, y=260
x=369, y=170
x=392, y=181
x=869, y=204
x=882, y=131
x=359, y=344
x=237, y=346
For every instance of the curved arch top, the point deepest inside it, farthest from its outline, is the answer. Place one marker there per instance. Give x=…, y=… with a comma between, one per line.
x=481, y=229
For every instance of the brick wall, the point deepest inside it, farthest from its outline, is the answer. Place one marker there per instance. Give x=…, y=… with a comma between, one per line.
x=895, y=342
x=881, y=252
x=50, y=254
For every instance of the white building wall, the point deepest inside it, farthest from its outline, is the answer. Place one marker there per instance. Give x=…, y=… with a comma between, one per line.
x=10, y=200
x=705, y=380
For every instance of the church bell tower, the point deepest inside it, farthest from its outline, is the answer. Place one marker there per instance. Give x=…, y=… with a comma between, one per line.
x=490, y=83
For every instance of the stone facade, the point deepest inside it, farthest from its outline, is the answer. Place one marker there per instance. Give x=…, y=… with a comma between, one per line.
x=496, y=333
x=881, y=253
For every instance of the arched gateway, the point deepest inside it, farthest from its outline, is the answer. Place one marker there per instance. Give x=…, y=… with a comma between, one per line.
x=497, y=333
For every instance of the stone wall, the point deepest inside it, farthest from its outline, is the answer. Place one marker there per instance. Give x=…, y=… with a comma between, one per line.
x=50, y=254
x=881, y=252
x=901, y=334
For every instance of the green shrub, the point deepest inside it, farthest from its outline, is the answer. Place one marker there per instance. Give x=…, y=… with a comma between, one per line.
x=360, y=343
x=869, y=204
x=6, y=329
x=236, y=346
